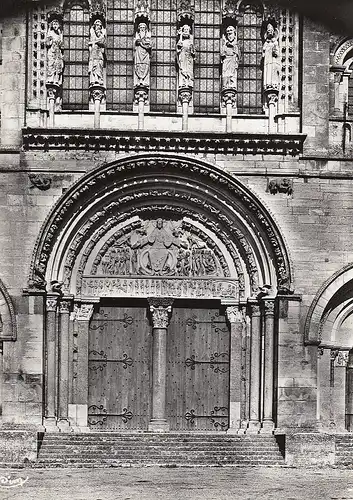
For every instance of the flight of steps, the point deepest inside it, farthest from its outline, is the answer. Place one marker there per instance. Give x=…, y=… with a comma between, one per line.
x=121, y=449
x=344, y=449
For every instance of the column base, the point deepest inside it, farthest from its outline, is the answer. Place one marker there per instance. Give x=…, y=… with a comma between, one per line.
x=253, y=427
x=267, y=427
x=64, y=425
x=50, y=425
x=158, y=425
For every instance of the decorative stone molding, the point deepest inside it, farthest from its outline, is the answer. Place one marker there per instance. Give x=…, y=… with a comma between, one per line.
x=84, y=312
x=140, y=95
x=8, y=323
x=255, y=309
x=185, y=95
x=192, y=142
x=229, y=96
x=40, y=181
x=96, y=183
x=97, y=93
x=161, y=309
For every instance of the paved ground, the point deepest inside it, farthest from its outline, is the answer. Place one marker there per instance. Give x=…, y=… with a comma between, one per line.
x=154, y=483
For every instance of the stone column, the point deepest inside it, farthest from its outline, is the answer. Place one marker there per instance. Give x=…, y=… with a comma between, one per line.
x=236, y=320
x=63, y=389
x=79, y=410
x=339, y=400
x=269, y=309
x=97, y=93
x=229, y=101
x=349, y=393
x=141, y=97
x=255, y=368
x=51, y=363
x=272, y=100
x=52, y=94
x=185, y=95
x=160, y=310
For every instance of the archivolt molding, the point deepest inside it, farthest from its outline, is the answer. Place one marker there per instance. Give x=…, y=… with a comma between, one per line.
x=8, y=325
x=341, y=52
x=318, y=310
x=176, y=171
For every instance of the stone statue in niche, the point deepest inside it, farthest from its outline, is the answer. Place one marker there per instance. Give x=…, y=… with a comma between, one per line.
x=97, y=46
x=55, y=59
x=160, y=248
x=271, y=59
x=185, y=56
x=143, y=47
x=230, y=55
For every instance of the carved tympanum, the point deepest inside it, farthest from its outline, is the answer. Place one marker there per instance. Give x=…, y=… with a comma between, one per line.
x=160, y=248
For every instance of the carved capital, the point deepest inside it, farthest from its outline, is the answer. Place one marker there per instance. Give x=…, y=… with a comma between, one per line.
x=342, y=358
x=65, y=306
x=140, y=94
x=51, y=303
x=254, y=310
x=269, y=307
x=53, y=91
x=320, y=351
x=84, y=312
x=161, y=310
x=271, y=94
x=40, y=181
x=334, y=353
x=234, y=314
x=185, y=95
x=97, y=93
x=229, y=96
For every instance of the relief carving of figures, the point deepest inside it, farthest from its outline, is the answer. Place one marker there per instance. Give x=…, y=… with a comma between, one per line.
x=143, y=47
x=185, y=56
x=97, y=46
x=160, y=248
x=55, y=59
x=271, y=59
x=230, y=55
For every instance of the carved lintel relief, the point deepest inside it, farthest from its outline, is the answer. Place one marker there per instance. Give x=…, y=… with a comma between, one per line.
x=275, y=186
x=161, y=310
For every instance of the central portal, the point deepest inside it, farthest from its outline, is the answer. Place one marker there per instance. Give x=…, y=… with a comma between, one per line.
x=120, y=367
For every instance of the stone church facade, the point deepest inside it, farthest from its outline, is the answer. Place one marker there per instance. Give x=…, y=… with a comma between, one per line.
x=176, y=224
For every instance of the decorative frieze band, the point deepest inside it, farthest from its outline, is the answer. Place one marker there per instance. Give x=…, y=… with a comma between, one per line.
x=193, y=142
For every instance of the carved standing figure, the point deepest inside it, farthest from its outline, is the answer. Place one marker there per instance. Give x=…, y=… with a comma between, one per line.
x=97, y=46
x=55, y=60
x=271, y=59
x=230, y=55
x=143, y=47
x=185, y=57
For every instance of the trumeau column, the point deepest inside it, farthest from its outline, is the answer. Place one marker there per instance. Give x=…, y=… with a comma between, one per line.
x=235, y=317
x=63, y=385
x=160, y=311
x=269, y=309
x=255, y=368
x=78, y=411
x=51, y=363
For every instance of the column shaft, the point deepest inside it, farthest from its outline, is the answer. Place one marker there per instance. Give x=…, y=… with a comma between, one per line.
x=255, y=350
x=51, y=365
x=268, y=424
x=64, y=360
x=236, y=320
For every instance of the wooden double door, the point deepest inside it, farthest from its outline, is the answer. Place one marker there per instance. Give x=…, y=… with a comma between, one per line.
x=120, y=367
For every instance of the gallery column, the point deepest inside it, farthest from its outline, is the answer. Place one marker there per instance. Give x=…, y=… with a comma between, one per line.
x=160, y=311
x=236, y=320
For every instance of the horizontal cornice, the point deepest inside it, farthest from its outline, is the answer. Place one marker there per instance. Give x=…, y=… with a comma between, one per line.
x=183, y=142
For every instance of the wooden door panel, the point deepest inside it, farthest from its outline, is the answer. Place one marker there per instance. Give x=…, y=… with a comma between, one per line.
x=198, y=370
x=119, y=379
